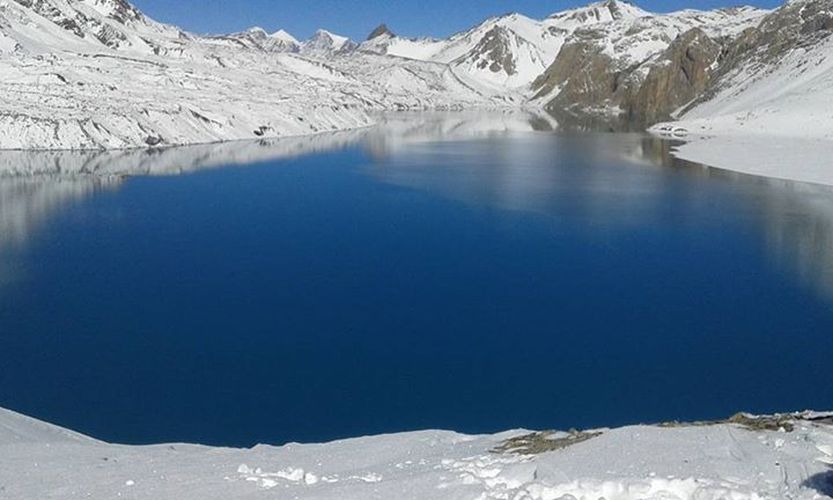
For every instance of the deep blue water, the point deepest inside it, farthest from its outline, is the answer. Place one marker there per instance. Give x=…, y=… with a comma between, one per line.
x=471, y=283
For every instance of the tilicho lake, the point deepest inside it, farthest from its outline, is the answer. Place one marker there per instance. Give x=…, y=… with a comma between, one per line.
x=465, y=272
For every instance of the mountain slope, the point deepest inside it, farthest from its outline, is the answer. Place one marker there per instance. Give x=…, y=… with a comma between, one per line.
x=90, y=74
x=603, y=69
x=100, y=74
x=505, y=51
x=769, y=108
x=776, y=79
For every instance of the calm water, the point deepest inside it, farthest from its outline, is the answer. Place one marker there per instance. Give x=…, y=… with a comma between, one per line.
x=431, y=274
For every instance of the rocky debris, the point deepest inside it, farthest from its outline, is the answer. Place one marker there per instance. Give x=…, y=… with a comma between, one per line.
x=778, y=422
x=537, y=443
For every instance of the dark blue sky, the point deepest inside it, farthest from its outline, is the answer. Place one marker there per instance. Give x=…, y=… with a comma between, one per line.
x=356, y=18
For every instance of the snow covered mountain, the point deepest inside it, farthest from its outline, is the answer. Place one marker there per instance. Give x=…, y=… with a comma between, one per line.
x=775, y=79
x=773, y=82
x=258, y=39
x=44, y=26
x=506, y=51
x=90, y=74
x=634, y=65
x=100, y=74
x=325, y=43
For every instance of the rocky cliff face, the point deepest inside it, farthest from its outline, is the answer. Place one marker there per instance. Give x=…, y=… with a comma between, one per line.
x=680, y=74
x=582, y=78
x=800, y=25
x=641, y=69
x=702, y=58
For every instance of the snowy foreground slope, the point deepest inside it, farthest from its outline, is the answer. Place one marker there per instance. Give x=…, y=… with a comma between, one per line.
x=713, y=462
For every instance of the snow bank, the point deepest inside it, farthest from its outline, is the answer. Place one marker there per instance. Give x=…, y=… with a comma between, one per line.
x=717, y=462
x=801, y=160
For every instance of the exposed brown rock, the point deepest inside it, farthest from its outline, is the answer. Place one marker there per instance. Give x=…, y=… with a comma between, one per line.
x=680, y=75
x=584, y=80
x=493, y=52
x=586, y=76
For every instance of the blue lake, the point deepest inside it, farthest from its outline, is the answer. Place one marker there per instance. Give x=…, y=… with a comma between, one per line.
x=438, y=272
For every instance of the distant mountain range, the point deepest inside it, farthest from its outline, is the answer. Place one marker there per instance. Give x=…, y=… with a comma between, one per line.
x=93, y=74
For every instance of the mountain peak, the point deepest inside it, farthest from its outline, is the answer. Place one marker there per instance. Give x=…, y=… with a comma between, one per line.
x=284, y=36
x=118, y=10
x=601, y=11
x=380, y=30
x=324, y=41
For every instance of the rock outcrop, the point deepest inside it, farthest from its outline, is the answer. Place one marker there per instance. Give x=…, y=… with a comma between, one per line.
x=641, y=69
x=678, y=76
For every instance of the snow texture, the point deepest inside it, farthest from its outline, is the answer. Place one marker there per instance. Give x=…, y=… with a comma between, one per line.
x=719, y=462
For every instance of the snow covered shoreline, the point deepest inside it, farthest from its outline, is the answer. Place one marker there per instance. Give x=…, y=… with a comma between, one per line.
x=805, y=160
x=770, y=458
x=799, y=160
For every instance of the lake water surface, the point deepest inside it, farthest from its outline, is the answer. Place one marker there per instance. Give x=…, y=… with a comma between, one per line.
x=438, y=272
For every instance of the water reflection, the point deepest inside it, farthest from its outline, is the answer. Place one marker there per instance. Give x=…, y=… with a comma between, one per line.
x=169, y=161
x=521, y=174
x=799, y=232
x=511, y=160
x=35, y=184
x=26, y=203
x=797, y=218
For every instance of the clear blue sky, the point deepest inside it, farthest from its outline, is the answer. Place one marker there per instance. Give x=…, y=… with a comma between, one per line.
x=356, y=18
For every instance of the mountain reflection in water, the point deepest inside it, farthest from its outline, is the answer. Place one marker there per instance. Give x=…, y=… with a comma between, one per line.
x=506, y=160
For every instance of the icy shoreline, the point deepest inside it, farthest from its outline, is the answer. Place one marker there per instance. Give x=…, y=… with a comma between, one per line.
x=787, y=457
x=805, y=160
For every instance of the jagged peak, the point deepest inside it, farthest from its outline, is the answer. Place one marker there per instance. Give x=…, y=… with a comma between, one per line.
x=381, y=30
x=327, y=41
